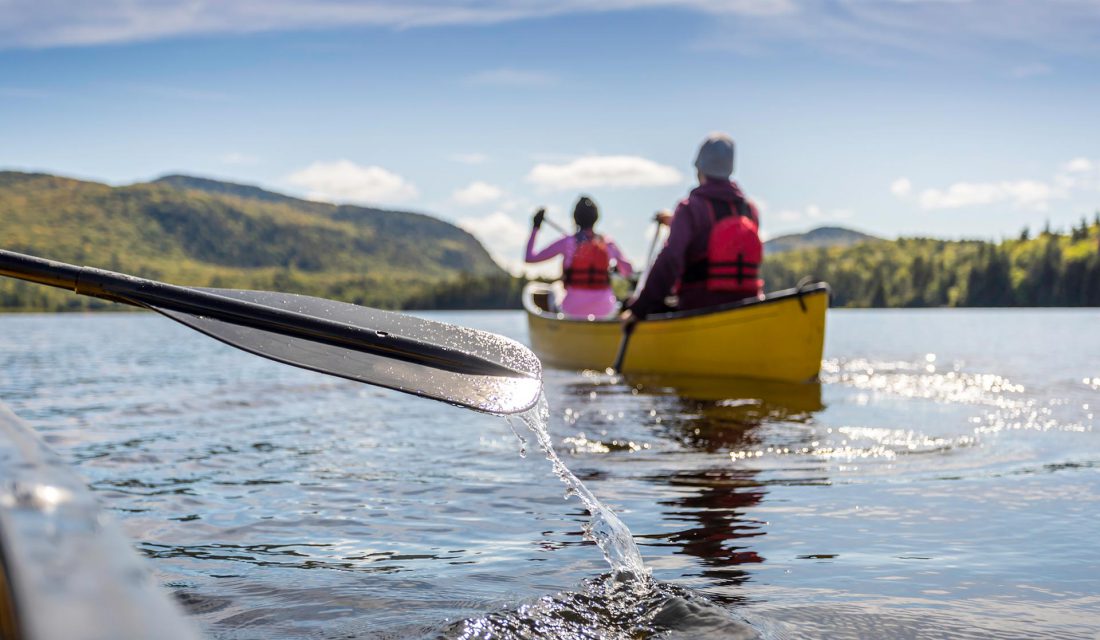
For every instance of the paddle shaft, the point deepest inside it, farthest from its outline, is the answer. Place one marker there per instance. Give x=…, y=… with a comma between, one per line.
x=621, y=353
x=557, y=227
x=140, y=292
x=649, y=257
x=628, y=330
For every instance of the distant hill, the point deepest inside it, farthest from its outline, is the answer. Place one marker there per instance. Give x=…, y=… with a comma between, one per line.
x=227, y=188
x=1055, y=269
x=196, y=231
x=820, y=237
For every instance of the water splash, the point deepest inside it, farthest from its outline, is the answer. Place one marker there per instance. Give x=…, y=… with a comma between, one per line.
x=609, y=608
x=604, y=527
x=519, y=436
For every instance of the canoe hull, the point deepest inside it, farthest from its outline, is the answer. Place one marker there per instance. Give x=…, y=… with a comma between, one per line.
x=779, y=338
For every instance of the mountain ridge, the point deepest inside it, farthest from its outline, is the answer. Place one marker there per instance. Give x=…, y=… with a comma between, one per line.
x=205, y=232
x=826, y=236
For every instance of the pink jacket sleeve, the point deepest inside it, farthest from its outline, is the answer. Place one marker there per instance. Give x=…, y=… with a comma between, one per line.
x=622, y=263
x=555, y=249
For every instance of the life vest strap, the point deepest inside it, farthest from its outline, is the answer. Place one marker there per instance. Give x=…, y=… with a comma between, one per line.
x=739, y=270
x=721, y=209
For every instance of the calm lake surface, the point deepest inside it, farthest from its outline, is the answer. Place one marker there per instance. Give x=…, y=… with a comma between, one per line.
x=942, y=482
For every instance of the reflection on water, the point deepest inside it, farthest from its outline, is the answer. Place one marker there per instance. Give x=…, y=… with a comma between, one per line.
x=717, y=528
x=721, y=415
x=711, y=504
x=784, y=398
x=933, y=485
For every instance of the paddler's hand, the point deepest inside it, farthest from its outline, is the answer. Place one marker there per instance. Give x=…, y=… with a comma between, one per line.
x=536, y=222
x=664, y=216
x=628, y=319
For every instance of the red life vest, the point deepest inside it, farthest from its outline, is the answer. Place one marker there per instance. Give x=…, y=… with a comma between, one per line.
x=591, y=265
x=734, y=251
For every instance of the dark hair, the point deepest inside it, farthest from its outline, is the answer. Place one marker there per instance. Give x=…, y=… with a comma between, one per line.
x=585, y=213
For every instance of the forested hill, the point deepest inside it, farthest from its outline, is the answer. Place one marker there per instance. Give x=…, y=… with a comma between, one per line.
x=1053, y=269
x=202, y=232
x=820, y=237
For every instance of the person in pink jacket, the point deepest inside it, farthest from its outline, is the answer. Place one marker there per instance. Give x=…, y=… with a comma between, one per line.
x=587, y=259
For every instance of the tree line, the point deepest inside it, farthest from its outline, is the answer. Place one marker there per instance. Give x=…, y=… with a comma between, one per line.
x=1053, y=269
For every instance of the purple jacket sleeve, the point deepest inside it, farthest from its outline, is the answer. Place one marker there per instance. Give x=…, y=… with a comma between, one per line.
x=669, y=265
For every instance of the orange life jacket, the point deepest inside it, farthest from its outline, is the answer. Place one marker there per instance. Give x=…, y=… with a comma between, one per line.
x=734, y=251
x=591, y=265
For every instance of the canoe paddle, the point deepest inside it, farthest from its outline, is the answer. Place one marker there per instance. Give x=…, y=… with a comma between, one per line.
x=557, y=227
x=628, y=330
x=465, y=367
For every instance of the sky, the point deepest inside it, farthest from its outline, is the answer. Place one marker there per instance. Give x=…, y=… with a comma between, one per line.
x=947, y=118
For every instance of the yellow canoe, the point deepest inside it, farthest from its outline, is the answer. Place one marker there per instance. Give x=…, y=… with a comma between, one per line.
x=778, y=338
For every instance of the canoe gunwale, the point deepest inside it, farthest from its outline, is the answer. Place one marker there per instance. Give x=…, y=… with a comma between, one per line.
x=783, y=295
x=68, y=569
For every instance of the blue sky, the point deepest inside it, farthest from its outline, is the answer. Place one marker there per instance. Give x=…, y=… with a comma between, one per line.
x=899, y=117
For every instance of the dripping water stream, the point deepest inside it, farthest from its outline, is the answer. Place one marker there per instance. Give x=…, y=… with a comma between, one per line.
x=603, y=527
x=626, y=602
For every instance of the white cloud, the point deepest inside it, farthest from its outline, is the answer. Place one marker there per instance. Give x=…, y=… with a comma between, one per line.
x=512, y=78
x=877, y=32
x=345, y=181
x=476, y=193
x=1078, y=165
x=1027, y=194
x=604, y=171
x=1077, y=176
x=749, y=7
x=888, y=32
x=33, y=23
x=901, y=187
x=811, y=212
x=239, y=159
x=470, y=158
x=503, y=237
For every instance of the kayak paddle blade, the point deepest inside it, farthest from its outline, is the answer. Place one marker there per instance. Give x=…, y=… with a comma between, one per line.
x=487, y=392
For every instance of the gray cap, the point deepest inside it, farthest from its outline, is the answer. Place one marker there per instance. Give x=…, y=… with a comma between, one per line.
x=715, y=159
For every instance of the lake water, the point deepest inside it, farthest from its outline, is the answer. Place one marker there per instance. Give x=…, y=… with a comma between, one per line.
x=942, y=482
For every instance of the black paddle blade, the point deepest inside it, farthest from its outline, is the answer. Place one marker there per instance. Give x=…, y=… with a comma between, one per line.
x=500, y=394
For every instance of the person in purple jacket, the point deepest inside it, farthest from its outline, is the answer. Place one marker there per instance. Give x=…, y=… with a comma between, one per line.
x=586, y=260
x=713, y=252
